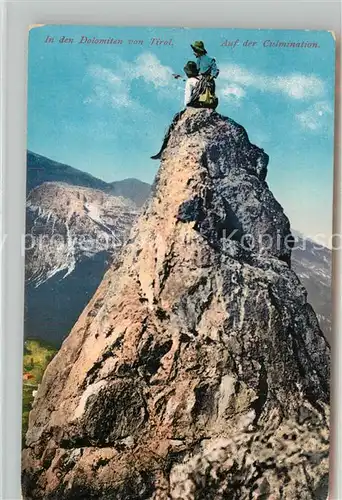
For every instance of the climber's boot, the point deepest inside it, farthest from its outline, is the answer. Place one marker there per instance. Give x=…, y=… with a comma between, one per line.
x=157, y=156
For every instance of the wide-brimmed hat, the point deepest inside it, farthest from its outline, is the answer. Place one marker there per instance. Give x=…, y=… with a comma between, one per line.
x=198, y=47
x=191, y=69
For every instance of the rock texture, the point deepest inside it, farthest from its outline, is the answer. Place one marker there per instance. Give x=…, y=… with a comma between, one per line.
x=72, y=232
x=312, y=264
x=198, y=370
x=54, y=292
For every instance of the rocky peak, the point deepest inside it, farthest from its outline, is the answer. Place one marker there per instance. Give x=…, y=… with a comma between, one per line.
x=198, y=369
x=224, y=176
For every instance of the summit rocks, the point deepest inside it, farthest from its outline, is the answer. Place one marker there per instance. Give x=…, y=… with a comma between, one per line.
x=198, y=369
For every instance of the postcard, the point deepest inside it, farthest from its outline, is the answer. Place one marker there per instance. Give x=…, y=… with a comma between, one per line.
x=178, y=263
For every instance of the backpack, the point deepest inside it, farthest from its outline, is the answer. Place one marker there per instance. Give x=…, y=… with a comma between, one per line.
x=204, y=94
x=207, y=99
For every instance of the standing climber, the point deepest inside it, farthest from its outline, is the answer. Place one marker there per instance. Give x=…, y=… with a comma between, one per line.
x=206, y=65
x=208, y=70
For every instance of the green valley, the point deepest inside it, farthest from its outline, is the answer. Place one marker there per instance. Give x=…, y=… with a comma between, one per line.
x=37, y=355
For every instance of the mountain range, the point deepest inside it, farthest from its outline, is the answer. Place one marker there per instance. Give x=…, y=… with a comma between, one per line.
x=73, y=233
x=312, y=263
x=66, y=203
x=41, y=169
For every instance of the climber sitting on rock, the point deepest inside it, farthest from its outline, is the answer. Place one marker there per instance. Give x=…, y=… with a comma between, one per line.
x=192, y=81
x=195, y=96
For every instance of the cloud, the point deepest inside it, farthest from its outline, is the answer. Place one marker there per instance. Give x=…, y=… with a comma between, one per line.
x=113, y=86
x=109, y=88
x=299, y=86
x=233, y=92
x=148, y=67
x=316, y=117
x=295, y=85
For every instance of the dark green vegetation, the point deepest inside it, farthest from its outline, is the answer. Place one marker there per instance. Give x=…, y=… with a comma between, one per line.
x=37, y=355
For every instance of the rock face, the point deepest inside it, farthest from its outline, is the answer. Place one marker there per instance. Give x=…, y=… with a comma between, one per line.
x=312, y=263
x=72, y=233
x=53, y=292
x=198, y=370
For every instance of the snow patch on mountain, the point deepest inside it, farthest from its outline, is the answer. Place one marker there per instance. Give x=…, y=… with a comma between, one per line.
x=66, y=224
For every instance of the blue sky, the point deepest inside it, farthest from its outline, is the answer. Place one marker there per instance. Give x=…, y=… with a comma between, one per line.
x=104, y=108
